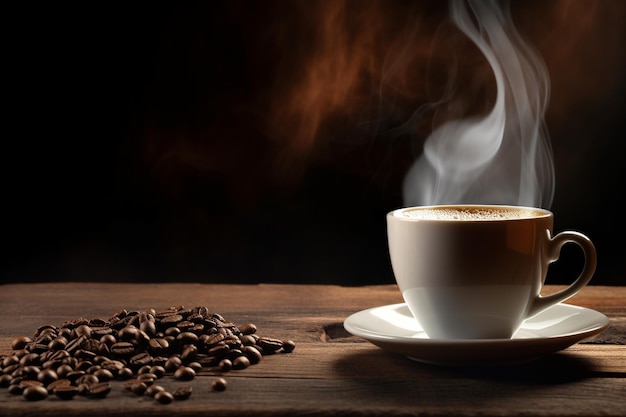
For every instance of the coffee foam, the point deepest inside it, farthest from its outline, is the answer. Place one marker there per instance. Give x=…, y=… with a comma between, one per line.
x=468, y=213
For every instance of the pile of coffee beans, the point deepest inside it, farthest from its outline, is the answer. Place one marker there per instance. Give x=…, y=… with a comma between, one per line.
x=83, y=356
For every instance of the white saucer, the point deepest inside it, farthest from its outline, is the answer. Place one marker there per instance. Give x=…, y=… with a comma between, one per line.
x=393, y=327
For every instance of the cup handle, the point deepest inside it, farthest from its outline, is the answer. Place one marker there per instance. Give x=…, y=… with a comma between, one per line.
x=555, y=244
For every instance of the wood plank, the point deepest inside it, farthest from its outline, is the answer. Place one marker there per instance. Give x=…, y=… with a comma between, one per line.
x=330, y=372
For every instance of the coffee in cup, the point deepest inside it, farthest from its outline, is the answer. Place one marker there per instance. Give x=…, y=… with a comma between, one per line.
x=476, y=271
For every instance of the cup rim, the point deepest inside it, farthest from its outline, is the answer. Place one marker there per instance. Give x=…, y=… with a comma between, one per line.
x=541, y=212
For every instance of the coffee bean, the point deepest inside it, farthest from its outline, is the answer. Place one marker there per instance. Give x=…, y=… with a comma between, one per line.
x=58, y=343
x=288, y=346
x=225, y=365
x=20, y=342
x=138, y=388
x=122, y=349
x=158, y=371
x=100, y=390
x=149, y=327
x=35, y=393
x=171, y=320
x=15, y=389
x=153, y=389
x=83, y=389
x=158, y=345
x=103, y=375
x=173, y=363
x=58, y=383
x=164, y=397
x=247, y=328
x=182, y=393
x=125, y=373
x=47, y=376
x=269, y=344
x=219, y=384
x=241, y=362
x=30, y=383
x=65, y=392
x=83, y=355
x=83, y=329
x=185, y=373
x=141, y=359
x=252, y=354
x=5, y=380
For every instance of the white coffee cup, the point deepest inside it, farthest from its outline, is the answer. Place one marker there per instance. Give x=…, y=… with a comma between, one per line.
x=476, y=271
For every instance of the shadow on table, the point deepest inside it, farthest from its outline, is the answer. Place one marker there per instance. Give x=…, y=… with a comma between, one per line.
x=557, y=368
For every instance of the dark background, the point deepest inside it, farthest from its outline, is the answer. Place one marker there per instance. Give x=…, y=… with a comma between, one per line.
x=140, y=142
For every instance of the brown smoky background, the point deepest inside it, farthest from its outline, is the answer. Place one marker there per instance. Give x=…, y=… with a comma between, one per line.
x=264, y=141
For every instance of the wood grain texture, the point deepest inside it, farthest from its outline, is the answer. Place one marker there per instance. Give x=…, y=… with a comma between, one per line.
x=330, y=373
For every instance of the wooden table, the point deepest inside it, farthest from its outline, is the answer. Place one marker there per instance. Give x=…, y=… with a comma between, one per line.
x=329, y=372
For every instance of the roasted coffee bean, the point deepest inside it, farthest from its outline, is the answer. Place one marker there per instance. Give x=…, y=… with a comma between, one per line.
x=138, y=388
x=35, y=393
x=85, y=355
x=252, y=354
x=147, y=376
x=189, y=353
x=29, y=372
x=172, y=364
x=125, y=373
x=158, y=345
x=83, y=365
x=153, y=389
x=158, y=371
x=122, y=349
x=47, y=376
x=10, y=360
x=30, y=383
x=65, y=392
x=288, y=346
x=164, y=397
x=141, y=359
x=63, y=370
x=185, y=338
x=100, y=390
x=247, y=328
x=171, y=332
x=74, y=375
x=241, y=362
x=182, y=393
x=143, y=370
x=15, y=389
x=149, y=327
x=87, y=379
x=58, y=383
x=196, y=366
x=20, y=342
x=30, y=359
x=5, y=380
x=178, y=341
x=225, y=365
x=185, y=325
x=81, y=330
x=58, y=343
x=82, y=389
x=75, y=344
x=92, y=369
x=171, y=320
x=219, y=384
x=185, y=373
x=269, y=344
x=103, y=375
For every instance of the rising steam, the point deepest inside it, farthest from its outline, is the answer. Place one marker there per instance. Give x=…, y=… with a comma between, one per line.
x=503, y=157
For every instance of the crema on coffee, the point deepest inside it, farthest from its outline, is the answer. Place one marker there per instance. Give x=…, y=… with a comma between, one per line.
x=469, y=213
